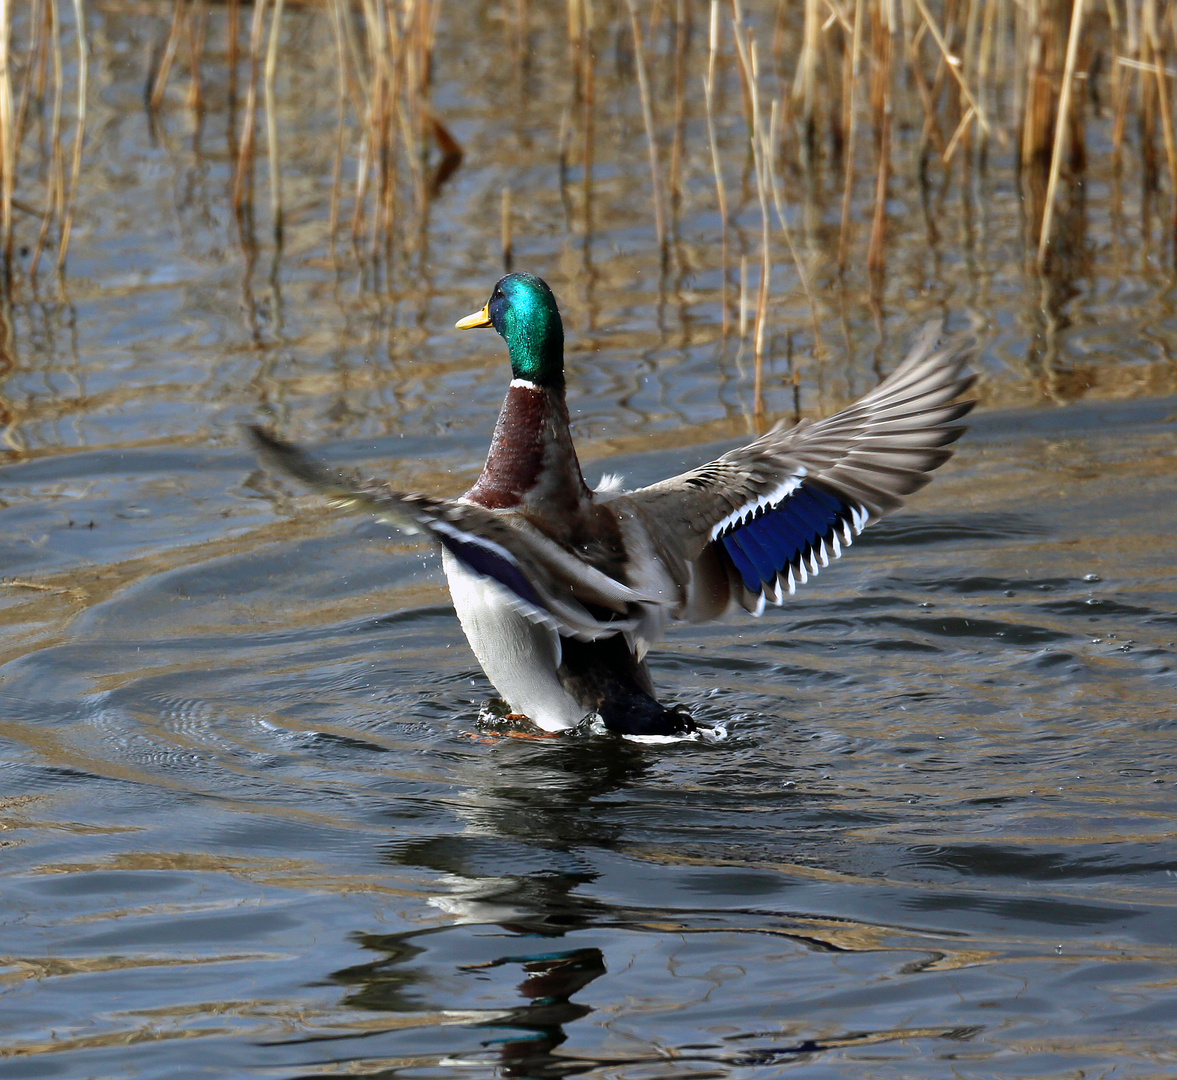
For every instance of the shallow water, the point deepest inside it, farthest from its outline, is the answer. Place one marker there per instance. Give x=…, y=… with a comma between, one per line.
x=251, y=824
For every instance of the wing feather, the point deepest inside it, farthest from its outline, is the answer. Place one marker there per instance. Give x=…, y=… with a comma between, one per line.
x=544, y=581
x=765, y=517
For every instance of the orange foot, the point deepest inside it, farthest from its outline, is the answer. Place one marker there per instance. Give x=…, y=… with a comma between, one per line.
x=531, y=733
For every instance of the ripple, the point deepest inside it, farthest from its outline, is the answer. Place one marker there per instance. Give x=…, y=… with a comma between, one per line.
x=1083, y=608
x=957, y=626
x=915, y=529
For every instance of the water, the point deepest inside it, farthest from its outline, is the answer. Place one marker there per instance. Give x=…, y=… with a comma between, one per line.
x=251, y=825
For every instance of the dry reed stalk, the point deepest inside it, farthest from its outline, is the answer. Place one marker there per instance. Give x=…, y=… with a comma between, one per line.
x=748, y=57
x=972, y=45
x=743, y=322
x=392, y=52
x=243, y=174
x=651, y=135
x=832, y=53
x=985, y=51
x=958, y=136
x=1134, y=56
x=1151, y=35
x=778, y=198
x=932, y=94
x=7, y=143
x=954, y=64
x=36, y=62
x=197, y=34
x=412, y=109
x=576, y=20
x=805, y=89
x=1011, y=56
x=505, y=231
x=233, y=36
x=430, y=12
x=716, y=167
x=682, y=40
x=519, y=45
x=1041, y=59
x=768, y=185
x=850, y=126
x=374, y=59
x=43, y=72
x=354, y=75
x=159, y=84
x=338, y=14
x=272, y=151
x=588, y=83
x=562, y=144
x=390, y=72
x=359, y=63
x=1150, y=170
x=1120, y=93
x=412, y=119
x=71, y=197
x=55, y=177
x=1060, y=130
x=881, y=31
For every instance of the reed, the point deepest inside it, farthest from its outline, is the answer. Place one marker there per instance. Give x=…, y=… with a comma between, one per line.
x=651, y=127
x=506, y=243
x=717, y=164
x=825, y=92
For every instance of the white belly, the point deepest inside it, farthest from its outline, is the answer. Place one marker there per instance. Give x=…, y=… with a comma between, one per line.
x=519, y=657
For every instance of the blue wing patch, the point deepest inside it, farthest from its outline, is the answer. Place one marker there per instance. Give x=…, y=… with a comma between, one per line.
x=781, y=538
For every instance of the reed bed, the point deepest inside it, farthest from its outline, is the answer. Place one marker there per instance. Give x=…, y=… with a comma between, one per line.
x=830, y=102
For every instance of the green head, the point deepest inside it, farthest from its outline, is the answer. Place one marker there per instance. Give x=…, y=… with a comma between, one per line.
x=523, y=310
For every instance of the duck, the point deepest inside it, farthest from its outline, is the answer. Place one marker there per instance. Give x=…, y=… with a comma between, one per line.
x=562, y=589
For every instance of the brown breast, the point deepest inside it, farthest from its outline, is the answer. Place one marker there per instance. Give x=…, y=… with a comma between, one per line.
x=532, y=468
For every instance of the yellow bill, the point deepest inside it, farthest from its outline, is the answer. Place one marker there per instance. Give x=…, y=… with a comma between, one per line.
x=473, y=322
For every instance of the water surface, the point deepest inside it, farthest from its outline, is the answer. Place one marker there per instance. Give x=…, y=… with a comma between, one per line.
x=251, y=824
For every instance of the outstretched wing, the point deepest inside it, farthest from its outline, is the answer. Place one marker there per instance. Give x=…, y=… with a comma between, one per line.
x=540, y=578
x=752, y=524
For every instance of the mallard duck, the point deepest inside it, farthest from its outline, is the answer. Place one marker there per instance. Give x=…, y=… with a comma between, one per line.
x=561, y=589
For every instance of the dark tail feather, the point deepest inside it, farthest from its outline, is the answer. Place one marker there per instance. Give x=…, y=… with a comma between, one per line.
x=605, y=677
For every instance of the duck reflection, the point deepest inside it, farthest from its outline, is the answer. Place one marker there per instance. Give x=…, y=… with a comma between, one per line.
x=548, y=794
x=549, y=983
x=545, y=981
x=514, y=878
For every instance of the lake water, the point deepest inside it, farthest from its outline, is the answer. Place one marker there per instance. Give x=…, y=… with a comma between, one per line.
x=250, y=823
